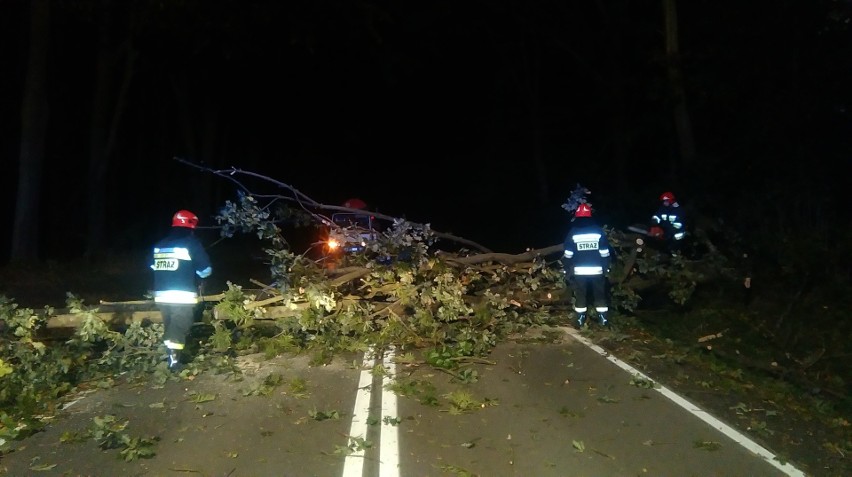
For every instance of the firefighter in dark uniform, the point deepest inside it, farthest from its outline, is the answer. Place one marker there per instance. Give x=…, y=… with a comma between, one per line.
x=586, y=261
x=667, y=223
x=179, y=260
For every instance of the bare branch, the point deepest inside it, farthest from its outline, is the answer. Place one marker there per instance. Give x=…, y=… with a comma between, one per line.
x=310, y=205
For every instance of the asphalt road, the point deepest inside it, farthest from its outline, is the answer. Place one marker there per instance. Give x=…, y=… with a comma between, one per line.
x=535, y=409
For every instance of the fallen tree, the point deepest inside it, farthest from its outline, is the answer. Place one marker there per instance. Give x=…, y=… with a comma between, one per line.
x=405, y=289
x=369, y=280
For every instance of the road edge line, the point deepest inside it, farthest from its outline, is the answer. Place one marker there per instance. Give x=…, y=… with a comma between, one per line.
x=720, y=426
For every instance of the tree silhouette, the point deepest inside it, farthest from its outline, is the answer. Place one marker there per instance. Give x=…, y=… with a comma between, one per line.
x=34, y=114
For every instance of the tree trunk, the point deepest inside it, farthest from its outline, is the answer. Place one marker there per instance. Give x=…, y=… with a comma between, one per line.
x=107, y=111
x=680, y=113
x=211, y=142
x=183, y=98
x=34, y=115
x=533, y=82
x=618, y=135
x=201, y=138
x=613, y=17
x=97, y=141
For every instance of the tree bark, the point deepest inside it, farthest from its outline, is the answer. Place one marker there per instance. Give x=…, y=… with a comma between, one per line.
x=34, y=117
x=615, y=102
x=680, y=113
x=532, y=81
x=506, y=258
x=201, y=137
x=107, y=112
x=211, y=142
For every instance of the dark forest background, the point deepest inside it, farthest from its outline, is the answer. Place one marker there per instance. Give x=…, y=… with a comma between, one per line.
x=478, y=117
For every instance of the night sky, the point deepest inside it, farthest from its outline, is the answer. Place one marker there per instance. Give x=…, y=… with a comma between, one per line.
x=437, y=110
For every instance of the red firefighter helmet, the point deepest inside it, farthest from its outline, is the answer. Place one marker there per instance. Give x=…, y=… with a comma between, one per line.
x=668, y=196
x=583, y=211
x=656, y=232
x=185, y=218
x=355, y=203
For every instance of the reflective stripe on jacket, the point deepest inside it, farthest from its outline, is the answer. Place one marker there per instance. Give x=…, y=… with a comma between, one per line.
x=586, y=248
x=176, y=297
x=670, y=219
x=177, y=260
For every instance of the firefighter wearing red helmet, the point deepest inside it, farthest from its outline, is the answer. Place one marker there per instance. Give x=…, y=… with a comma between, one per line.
x=586, y=260
x=185, y=218
x=355, y=203
x=583, y=211
x=178, y=260
x=667, y=223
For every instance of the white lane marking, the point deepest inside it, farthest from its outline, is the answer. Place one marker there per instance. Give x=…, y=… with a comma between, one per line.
x=693, y=409
x=354, y=465
x=389, y=449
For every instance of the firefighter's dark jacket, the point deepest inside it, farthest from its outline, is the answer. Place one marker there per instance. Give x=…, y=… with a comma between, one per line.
x=177, y=259
x=586, y=248
x=670, y=218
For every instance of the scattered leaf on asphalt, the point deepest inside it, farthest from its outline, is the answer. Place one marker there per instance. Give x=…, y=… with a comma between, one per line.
x=69, y=436
x=603, y=454
x=470, y=444
x=565, y=412
x=202, y=397
x=342, y=450
x=579, y=445
x=323, y=415
x=42, y=467
x=490, y=402
x=641, y=382
x=392, y=421
x=707, y=445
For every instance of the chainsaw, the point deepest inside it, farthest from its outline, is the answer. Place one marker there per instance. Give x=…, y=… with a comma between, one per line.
x=653, y=231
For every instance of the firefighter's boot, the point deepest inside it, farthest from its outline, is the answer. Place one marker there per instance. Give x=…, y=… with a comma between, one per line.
x=581, y=319
x=602, y=318
x=173, y=359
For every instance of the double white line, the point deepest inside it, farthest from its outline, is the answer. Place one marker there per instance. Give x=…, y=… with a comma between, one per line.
x=389, y=438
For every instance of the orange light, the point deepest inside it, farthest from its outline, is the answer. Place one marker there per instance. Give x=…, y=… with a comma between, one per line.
x=333, y=244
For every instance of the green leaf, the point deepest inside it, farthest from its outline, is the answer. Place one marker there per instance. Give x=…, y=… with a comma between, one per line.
x=5, y=368
x=202, y=397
